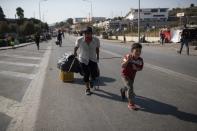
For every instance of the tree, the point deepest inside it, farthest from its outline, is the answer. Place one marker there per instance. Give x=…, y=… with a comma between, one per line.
x=13, y=28
x=192, y=5
x=2, y=16
x=44, y=27
x=27, y=28
x=20, y=12
x=37, y=28
x=35, y=21
x=69, y=21
x=4, y=27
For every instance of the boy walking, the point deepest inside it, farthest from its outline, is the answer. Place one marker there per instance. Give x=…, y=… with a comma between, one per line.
x=131, y=63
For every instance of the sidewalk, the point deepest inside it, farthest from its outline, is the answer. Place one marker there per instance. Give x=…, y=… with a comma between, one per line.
x=16, y=46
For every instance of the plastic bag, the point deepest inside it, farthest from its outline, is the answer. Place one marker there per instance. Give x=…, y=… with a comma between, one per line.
x=69, y=63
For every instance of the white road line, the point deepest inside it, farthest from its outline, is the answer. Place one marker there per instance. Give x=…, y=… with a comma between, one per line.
x=111, y=53
x=26, y=115
x=171, y=72
x=161, y=69
x=19, y=64
x=9, y=107
x=18, y=74
x=22, y=57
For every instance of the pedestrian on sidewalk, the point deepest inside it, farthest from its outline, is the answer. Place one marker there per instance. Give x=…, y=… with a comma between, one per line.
x=59, y=37
x=131, y=63
x=12, y=42
x=162, y=37
x=184, y=41
x=88, y=56
x=37, y=40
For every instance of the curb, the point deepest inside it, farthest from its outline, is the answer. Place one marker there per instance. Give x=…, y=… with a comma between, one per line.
x=16, y=46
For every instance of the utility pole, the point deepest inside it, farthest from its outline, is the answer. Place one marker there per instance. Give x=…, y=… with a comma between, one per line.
x=139, y=22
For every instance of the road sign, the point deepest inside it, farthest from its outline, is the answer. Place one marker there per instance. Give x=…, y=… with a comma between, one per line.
x=180, y=14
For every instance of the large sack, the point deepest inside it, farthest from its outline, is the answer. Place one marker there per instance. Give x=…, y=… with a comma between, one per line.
x=68, y=62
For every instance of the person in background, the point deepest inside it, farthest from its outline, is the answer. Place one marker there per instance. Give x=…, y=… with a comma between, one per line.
x=184, y=41
x=59, y=37
x=37, y=40
x=162, y=37
x=12, y=42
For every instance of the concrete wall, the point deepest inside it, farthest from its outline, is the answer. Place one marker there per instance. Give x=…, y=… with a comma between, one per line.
x=134, y=38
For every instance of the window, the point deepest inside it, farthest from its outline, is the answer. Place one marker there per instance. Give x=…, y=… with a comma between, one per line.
x=136, y=10
x=163, y=10
x=147, y=19
x=146, y=13
x=158, y=15
x=154, y=10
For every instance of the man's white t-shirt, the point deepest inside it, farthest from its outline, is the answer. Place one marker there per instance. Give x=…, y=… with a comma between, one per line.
x=87, y=51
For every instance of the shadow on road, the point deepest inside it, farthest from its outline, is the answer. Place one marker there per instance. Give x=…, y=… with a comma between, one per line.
x=69, y=46
x=102, y=80
x=156, y=107
x=4, y=121
x=108, y=95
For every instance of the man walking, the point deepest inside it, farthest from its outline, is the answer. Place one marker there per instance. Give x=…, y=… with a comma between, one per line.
x=59, y=37
x=88, y=56
x=37, y=40
x=162, y=37
x=184, y=41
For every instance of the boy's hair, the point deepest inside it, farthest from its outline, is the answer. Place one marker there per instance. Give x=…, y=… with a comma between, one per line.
x=136, y=46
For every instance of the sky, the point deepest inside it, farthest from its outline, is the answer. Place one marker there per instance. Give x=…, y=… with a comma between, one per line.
x=58, y=10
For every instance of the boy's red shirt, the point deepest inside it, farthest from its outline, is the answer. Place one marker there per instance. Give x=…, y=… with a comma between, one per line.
x=128, y=71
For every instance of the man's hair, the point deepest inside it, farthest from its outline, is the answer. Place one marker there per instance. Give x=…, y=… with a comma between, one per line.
x=136, y=46
x=88, y=29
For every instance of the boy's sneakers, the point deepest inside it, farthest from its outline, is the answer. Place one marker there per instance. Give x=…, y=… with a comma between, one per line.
x=88, y=92
x=122, y=92
x=132, y=107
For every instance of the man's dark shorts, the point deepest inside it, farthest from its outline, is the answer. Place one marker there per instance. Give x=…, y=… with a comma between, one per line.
x=90, y=71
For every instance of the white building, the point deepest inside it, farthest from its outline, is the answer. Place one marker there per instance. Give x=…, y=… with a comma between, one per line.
x=88, y=19
x=148, y=14
x=112, y=24
x=78, y=20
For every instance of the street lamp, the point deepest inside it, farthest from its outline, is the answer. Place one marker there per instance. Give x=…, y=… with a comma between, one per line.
x=89, y=1
x=40, y=9
x=139, y=22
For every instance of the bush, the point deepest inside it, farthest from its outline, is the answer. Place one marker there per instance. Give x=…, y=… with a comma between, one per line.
x=3, y=43
x=22, y=40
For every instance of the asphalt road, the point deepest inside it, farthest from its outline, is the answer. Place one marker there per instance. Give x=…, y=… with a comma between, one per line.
x=165, y=90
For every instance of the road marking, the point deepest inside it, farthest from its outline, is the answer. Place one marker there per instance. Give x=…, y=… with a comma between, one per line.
x=161, y=69
x=9, y=107
x=22, y=57
x=171, y=72
x=19, y=64
x=18, y=74
x=26, y=115
x=112, y=53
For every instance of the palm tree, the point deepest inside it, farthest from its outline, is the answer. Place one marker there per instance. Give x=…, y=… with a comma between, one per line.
x=2, y=16
x=20, y=12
